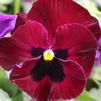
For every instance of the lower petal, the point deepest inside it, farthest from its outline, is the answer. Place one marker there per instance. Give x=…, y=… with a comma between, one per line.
x=73, y=83
x=37, y=90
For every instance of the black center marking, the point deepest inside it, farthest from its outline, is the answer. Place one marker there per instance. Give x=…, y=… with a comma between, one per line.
x=37, y=51
x=61, y=53
x=53, y=69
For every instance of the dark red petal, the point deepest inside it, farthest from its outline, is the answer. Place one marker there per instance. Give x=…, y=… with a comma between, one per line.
x=73, y=83
x=12, y=52
x=33, y=34
x=86, y=59
x=37, y=90
x=53, y=13
x=79, y=42
x=94, y=27
x=21, y=19
x=24, y=70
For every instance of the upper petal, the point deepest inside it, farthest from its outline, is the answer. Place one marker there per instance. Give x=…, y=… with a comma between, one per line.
x=33, y=34
x=69, y=36
x=7, y=23
x=73, y=83
x=53, y=13
x=79, y=42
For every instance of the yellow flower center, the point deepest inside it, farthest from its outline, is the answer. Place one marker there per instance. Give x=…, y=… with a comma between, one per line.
x=48, y=55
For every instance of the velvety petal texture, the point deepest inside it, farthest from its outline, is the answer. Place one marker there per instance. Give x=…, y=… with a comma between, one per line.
x=12, y=52
x=46, y=89
x=37, y=90
x=79, y=42
x=33, y=34
x=73, y=83
x=22, y=71
x=7, y=23
x=19, y=47
x=53, y=13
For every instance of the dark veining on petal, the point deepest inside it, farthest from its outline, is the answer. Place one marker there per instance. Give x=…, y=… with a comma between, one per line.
x=53, y=69
x=61, y=53
x=37, y=51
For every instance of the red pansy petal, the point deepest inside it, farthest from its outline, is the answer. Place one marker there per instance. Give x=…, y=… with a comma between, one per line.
x=53, y=13
x=94, y=27
x=71, y=36
x=86, y=59
x=37, y=90
x=73, y=83
x=79, y=42
x=23, y=71
x=33, y=34
x=21, y=19
x=12, y=52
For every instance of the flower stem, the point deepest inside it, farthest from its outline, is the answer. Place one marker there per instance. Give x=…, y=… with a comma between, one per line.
x=17, y=4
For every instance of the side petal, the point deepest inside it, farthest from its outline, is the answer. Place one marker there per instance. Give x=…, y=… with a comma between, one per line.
x=73, y=84
x=7, y=23
x=33, y=34
x=23, y=70
x=79, y=42
x=37, y=90
x=53, y=13
x=12, y=52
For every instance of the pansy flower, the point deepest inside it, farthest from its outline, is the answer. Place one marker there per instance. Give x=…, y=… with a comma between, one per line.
x=49, y=68
x=52, y=56
x=7, y=23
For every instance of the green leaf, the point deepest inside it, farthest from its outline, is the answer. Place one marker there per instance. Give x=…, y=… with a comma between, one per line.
x=18, y=97
x=9, y=87
x=6, y=85
x=85, y=96
x=2, y=74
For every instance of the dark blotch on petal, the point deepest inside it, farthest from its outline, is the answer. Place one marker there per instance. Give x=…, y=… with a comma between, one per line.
x=61, y=53
x=53, y=69
x=37, y=51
